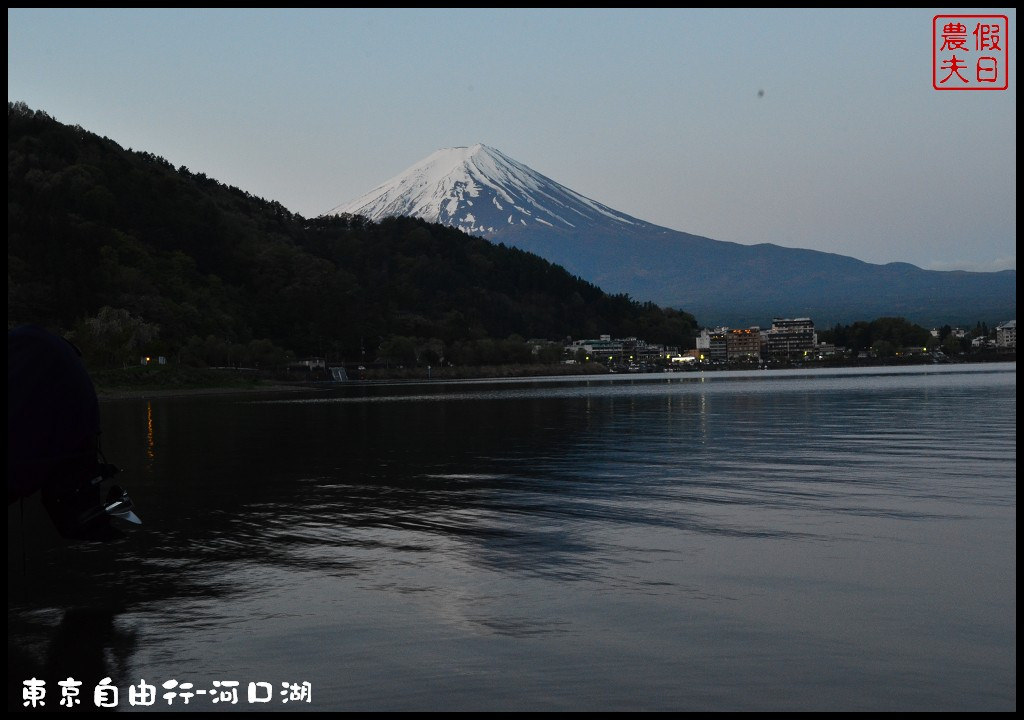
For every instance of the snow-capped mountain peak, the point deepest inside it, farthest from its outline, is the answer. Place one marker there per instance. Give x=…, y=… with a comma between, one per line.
x=482, y=191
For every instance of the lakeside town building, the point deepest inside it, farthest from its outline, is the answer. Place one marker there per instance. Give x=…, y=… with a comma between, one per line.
x=622, y=351
x=1006, y=335
x=791, y=337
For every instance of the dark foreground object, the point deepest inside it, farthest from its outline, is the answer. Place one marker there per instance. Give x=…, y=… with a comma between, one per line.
x=53, y=431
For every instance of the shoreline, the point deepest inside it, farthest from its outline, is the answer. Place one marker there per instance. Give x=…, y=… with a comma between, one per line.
x=107, y=394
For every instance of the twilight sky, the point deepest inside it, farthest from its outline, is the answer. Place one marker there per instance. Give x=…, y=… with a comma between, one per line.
x=657, y=113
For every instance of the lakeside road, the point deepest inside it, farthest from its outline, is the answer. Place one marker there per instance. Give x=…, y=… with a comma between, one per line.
x=105, y=394
x=113, y=391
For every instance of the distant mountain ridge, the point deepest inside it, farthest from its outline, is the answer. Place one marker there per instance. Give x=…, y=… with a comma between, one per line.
x=482, y=191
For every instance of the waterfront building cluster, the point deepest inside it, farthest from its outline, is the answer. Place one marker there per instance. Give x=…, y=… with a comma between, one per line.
x=788, y=339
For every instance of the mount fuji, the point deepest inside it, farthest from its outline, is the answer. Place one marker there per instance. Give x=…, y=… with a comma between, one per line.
x=483, y=192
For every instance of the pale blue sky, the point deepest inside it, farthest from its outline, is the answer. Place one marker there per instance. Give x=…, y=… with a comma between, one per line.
x=655, y=113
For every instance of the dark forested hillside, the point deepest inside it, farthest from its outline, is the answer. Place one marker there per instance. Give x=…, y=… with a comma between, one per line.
x=131, y=253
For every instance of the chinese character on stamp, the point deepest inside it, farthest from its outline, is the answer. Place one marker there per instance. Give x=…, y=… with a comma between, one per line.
x=970, y=52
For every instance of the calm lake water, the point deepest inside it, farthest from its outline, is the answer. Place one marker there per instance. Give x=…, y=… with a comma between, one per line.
x=839, y=540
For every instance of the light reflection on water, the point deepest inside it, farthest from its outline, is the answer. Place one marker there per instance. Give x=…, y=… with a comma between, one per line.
x=840, y=540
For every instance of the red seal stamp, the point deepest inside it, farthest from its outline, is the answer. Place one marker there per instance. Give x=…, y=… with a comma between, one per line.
x=970, y=52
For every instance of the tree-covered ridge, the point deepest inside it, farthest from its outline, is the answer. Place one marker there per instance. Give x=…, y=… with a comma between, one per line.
x=889, y=335
x=120, y=245
x=895, y=332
